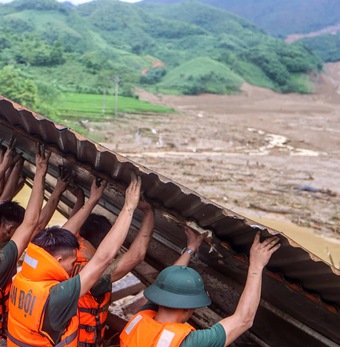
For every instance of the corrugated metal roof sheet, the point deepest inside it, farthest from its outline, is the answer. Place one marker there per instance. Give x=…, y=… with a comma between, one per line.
x=300, y=296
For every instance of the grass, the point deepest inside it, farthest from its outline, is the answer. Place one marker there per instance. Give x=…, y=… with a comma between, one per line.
x=302, y=83
x=90, y=106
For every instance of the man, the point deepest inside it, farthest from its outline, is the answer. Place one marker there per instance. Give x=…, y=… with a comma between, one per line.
x=13, y=250
x=93, y=306
x=11, y=216
x=179, y=290
x=43, y=298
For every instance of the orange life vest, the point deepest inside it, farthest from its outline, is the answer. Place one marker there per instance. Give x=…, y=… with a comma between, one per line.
x=92, y=314
x=27, y=302
x=4, y=295
x=143, y=331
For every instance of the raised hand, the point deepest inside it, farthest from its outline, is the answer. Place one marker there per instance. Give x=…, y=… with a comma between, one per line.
x=97, y=189
x=260, y=252
x=10, y=156
x=194, y=240
x=132, y=194
x=65, y=177
x=41, y=159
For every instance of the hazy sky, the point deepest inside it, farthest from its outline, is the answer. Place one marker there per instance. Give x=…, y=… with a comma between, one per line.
x=75, y=2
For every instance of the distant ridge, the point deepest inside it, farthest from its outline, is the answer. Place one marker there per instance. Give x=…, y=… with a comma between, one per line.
x=278, y=17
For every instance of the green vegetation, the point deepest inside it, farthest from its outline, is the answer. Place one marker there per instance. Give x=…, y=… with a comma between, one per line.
x=187, y=47
x=327, y=46
x=202, y=75
x=100, y=107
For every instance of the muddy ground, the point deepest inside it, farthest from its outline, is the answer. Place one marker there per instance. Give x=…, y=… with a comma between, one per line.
x=259, y=153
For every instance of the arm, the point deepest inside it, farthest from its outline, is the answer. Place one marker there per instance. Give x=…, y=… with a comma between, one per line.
x=6, y=161
x=77, y=220
x=244, y=315
x=24, y=232
x=112, y=242
x=80, y=199
x=12, y=182
x=193, y=243
x=65, y=176
x=138, y=248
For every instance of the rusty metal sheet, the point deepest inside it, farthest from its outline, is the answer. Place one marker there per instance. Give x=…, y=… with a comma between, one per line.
x=300, y=297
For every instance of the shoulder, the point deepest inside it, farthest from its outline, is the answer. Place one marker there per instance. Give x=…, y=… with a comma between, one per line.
x=8, y=262
x=10, y=249
x=212, y=337
x=8, y=254
x=69, y=288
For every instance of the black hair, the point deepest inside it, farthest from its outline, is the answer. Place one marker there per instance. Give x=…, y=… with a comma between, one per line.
x=11, y=211
x=95, y=228
x=56, y=239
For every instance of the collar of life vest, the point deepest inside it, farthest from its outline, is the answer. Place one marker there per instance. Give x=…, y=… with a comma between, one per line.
x=39, y=265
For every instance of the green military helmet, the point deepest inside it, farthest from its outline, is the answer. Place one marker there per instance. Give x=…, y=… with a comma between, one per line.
x=178, y=287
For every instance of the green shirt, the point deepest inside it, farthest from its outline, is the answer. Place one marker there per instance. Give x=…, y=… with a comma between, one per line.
x=8, y=263
x=61, y=307
x=212, y=337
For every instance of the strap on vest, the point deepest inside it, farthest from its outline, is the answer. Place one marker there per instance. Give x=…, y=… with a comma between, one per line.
x=62, y=343
x=91, y=329
x=67, y=340
x=17, y=342
x=94, y=311
x=86, y=344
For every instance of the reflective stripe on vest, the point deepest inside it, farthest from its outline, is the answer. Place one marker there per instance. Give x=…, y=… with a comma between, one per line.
x=165, y=338
x=132, y=324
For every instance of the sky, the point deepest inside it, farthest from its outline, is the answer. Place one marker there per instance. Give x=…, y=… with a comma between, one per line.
x=75, y=2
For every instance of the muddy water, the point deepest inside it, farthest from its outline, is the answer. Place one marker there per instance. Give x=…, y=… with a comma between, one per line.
x=23, y=197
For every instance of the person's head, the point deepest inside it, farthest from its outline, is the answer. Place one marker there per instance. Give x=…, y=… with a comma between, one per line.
x=95, y=228
x=61, y=244
x=11, y=216
x=178, y=287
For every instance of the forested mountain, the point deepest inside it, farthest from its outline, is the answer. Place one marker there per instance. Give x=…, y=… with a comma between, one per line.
x=186, y=47
x=278, y=17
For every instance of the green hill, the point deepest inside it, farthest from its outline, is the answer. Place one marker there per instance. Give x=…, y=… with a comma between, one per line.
x=326, y=46
x=201, y=75
x=82, y=48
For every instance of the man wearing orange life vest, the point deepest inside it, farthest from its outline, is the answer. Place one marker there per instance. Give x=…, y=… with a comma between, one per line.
x=43, y=299
x=179, y=290
x=13, y=250
x=93, y=306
